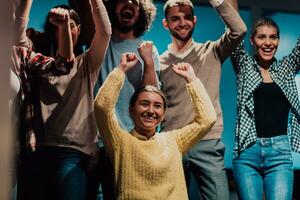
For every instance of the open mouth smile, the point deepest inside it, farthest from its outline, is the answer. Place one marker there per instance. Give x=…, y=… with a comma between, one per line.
x=127, y=12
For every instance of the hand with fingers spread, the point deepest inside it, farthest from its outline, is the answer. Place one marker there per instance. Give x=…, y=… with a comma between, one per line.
x=185, y=70
x=59, y=16
x=128, y=60
x=145, y=50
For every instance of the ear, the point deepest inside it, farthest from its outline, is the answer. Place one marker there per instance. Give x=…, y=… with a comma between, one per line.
x=251, y=40
x=162, y=118
x=130, y=111
x=195, y=19
x=79, y=29
x=165, y=24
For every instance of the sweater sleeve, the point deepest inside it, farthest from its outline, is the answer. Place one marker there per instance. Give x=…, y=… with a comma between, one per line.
x=205, y=117
x=104, y=108
x=101, y=38
x=236, y=30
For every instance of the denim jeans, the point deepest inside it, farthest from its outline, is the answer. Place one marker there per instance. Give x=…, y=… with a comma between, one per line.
x=53, y=173
x=265, y=169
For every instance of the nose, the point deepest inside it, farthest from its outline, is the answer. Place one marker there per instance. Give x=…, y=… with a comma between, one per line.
x=182, y=22
x=268, y=41
x=150, y=109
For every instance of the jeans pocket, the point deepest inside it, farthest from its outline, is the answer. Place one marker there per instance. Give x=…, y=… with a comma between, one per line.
x=282, y=146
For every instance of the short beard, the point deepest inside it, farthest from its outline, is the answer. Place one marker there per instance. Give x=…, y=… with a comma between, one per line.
x=179, y=37
x=122, y=27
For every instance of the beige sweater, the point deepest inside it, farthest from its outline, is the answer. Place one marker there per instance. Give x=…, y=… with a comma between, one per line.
x=206, y=59
x=67, y=101
x=149, y=169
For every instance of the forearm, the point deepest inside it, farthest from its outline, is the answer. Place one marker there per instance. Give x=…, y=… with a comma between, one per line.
x=205, y=116
x=102, y=33
x=65, y=43
x=204, y=109
x=231, y=18
x=104, y=105
x=234, y=4
x=21, y=22
x=108, y=93
x=100, y=17
x=149, y=76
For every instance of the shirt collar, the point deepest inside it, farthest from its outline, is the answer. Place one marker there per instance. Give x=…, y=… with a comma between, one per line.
x=181, y=54
x=141, y=137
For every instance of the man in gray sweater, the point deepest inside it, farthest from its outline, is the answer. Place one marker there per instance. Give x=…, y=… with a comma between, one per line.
x=206, y=159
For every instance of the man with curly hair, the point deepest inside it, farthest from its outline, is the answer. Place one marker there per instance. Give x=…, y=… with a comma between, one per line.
x=130, y=19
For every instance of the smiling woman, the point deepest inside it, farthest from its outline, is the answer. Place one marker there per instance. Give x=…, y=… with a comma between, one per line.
x=147, y=108
x=267, y=93
x=148, y=165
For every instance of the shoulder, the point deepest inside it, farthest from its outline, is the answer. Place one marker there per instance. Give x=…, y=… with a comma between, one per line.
x=164, y=60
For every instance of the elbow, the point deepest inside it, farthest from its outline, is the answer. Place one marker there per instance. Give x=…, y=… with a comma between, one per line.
x=242, y=31
x=105, y=34
x=210, y=120
x=99, y=105
x=105, y=29
x=98, y=109
x=239, y=33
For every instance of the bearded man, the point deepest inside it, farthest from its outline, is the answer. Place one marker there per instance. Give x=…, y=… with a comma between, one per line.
x=206, y=159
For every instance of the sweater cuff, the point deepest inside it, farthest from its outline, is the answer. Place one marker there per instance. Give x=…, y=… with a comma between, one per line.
x=192, y=84
x=216, y=3
x=118, y=73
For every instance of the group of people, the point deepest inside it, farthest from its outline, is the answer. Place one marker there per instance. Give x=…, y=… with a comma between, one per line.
x=141, y=123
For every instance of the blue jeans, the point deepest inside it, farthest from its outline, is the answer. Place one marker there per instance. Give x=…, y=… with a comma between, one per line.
x=265, y=169
x=53, y=173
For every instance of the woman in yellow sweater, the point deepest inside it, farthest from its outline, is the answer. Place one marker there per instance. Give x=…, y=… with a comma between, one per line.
x=148, y=165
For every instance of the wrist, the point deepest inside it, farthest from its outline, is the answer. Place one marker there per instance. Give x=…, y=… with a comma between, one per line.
x=122, y=68
x=148, y=62
x=63, y=27
x=190, y=79
x=216, y=3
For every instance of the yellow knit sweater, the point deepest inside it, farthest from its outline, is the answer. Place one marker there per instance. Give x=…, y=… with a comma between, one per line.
x=149, y=169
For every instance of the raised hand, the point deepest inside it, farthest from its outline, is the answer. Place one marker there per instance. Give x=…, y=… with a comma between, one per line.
x=185, y=70
x=59, y=16
x=128, y=60
x=145, y=50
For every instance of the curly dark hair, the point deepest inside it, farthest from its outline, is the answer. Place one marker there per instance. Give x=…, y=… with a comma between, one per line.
x=147, y=13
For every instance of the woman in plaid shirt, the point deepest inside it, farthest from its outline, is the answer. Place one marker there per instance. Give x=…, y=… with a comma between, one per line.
x=265, y=132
